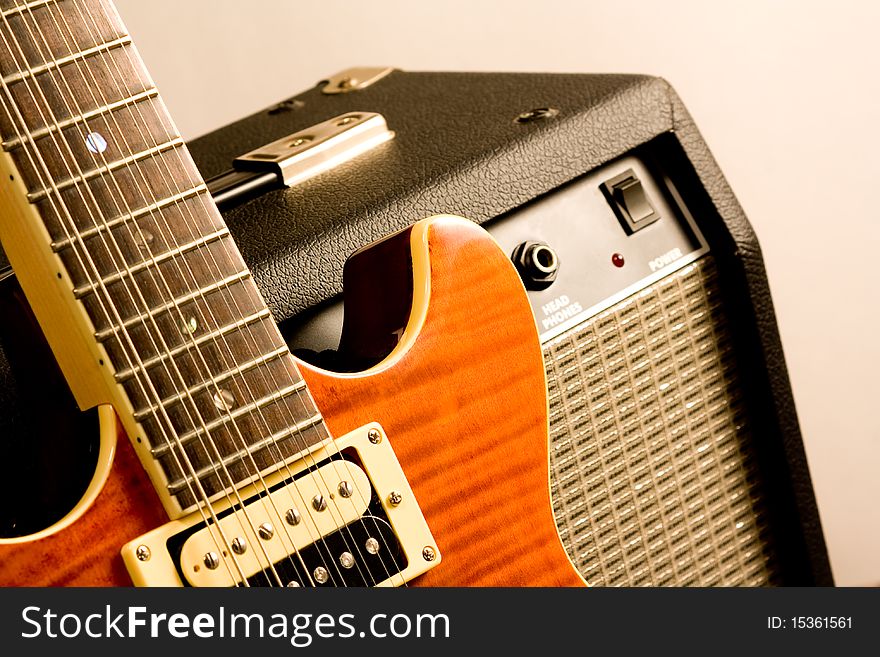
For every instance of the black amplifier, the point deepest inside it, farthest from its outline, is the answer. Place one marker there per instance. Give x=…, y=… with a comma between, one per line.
x=675, y=452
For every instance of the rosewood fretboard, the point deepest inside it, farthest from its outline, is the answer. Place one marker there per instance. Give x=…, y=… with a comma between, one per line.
x=188, y=335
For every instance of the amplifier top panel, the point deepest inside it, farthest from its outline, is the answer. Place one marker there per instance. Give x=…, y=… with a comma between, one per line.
x=590, y=244
x=579, y=249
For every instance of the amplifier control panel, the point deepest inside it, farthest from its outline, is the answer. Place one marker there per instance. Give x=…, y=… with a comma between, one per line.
x=596, y=241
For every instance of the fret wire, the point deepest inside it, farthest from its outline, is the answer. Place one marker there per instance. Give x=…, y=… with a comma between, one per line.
x=60, y=245
x=322, y=475
x=108, y=167
x=276, y=369
x=179, y=374
x=144, y=413
x=312, y=403
x=209, y=308
x=28, y=6
x=25, y=77
x=98, y=112
x=37, y=24
x=131, y=270
x=21, y=119
x=77, y=166
x=232, y=482
x=51, y=65
x=233, y=414
x=124, y=375
x=77, y=76
x=174, y=303
x=260, y=445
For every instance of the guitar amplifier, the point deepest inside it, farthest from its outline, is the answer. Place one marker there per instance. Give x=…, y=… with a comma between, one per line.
x=675, y=452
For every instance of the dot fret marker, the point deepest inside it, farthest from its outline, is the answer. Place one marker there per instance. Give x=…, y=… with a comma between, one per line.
x=96, y=143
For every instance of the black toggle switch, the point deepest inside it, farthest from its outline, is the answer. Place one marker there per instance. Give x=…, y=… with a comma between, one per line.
x=626, y=195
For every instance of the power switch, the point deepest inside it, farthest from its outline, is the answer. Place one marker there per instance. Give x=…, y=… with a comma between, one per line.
x=626, y=195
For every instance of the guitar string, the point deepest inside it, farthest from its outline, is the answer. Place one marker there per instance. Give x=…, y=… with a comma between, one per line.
x=67, y=166
x=293, y=421
x=234, y=300
x=288, y=489
x=30, y=156
x=36, y=149
x=308, y=455
x=144, y=197
x=335, y=462
x=104, y=101
x=154, y=108
x=55, y=204
x=124, y=281
x=396, y=568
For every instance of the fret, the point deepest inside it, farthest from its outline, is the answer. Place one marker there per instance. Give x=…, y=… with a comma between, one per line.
x=80, y=292
x=238, y=277
x=60, y=245
x=34, y=197
x=192, y=412
x=288, y=445
x=128, y=373
x=107, y=333
x=27, y=6
x=126, y=190
x=211, y=353
x=51, y=65
x=128, y=246
x=157, y=286
x=192, y=344
x=180, y=485
x=53, y=32
x=257, y=410
x=127, y=132
x=127, y=376
x=178, y=397
x=101, y=111
x=236, y=413
x=75, y=90
x=215, y=359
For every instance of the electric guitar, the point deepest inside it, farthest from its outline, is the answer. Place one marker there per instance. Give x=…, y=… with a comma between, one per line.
x=223, y=460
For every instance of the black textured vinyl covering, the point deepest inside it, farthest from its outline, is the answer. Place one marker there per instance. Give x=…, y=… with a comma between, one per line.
x=457, y=150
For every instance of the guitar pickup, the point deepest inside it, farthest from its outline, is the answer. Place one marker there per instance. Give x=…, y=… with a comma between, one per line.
x=300, y=156
x=272, y=527
x=345, y=515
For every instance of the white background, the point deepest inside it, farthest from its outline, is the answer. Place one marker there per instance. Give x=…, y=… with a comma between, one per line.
x=787, y=94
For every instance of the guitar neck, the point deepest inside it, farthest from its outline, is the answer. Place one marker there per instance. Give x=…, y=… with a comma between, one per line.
x=129, y=266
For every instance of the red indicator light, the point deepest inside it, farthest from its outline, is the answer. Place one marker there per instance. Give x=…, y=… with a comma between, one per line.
x=617, y=260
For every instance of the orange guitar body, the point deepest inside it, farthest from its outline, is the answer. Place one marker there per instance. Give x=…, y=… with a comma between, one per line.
x=461, y=397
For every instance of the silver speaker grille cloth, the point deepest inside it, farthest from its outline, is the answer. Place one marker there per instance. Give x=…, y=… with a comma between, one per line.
x=652, y=473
